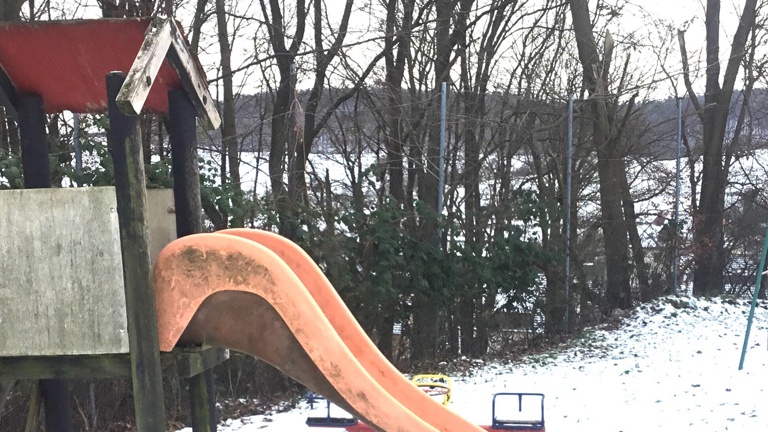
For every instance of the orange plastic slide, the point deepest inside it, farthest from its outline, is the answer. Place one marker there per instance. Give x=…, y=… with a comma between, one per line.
x=258, y=293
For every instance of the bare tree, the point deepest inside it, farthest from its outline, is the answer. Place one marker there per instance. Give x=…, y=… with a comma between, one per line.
x=127, y=8
x=606, y=130
x=713, y=115
x=282, y=136
x=450, y=29
x=475, y=76
x=299, y=154
x=229, y=142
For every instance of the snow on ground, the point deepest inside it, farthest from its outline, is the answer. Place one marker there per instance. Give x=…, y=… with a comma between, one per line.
x=670, y=366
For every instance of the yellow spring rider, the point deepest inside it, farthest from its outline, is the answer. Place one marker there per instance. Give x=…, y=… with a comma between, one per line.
x=434, y=385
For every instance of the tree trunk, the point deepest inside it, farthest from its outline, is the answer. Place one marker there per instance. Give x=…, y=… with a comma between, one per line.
x=708, y=218
x=197, y=25
x=610, y=164
x=395, y=71
x=228, y=125
x=427, y=305
x=551, y=238
x=638, y=253
x=280, y=144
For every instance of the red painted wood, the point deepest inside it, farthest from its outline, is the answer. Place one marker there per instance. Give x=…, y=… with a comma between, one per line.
x=65, y=62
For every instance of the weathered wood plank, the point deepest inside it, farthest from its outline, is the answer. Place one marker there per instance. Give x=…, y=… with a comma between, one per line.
x=123, y=138
x=164, y=39
x=187, y=362
x=138, y=82
x=162, y=220
x=66, y=367
x=61, y=290
x=193, y=79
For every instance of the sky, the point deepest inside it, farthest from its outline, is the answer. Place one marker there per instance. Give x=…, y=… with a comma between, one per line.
x=636, y=19
x=672, y=365
x=640, y=19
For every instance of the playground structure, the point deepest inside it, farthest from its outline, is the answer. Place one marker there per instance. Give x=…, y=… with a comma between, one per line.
x=80, y=298
x=76, y=299
x=256, y=292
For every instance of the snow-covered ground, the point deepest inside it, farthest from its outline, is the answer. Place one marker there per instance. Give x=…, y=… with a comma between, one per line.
x=670, y=366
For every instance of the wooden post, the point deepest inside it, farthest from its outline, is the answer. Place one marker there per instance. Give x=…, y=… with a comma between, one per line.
x=34, y=143
x=202, y=398
x=186, y=174
x=189, y=220
x=37, y=174
x=124, y=140
x=33, y=413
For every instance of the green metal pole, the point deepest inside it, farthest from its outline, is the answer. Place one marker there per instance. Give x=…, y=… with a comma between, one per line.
x=754, y=299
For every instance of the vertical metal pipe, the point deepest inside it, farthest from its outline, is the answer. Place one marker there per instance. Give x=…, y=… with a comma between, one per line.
x=568, y=159
x=441, y=174
x=676, y=259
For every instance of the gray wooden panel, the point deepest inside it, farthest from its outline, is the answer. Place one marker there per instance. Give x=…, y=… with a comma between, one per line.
x=161, y=219
x=61, y=273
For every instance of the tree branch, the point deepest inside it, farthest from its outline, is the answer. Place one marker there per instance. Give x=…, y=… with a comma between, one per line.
x=346, y=96
x=687, y=74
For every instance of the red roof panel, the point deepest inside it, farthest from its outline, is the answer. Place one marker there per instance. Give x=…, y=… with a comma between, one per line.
x=65, y=62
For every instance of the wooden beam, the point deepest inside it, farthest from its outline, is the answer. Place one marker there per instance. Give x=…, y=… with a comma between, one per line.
x=189, y=220
x=34, y=143
x=33, y=414
x=193, y=79
x=66, y=367
x=186, y=174
x=138, y=82
x=124, y=141
x=201, y=397
x=186, y=361
x=8, y=96
x=164, y=39
x=58, y=409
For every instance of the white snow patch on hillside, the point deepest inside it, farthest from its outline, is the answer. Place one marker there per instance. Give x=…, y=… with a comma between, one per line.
x=671, y=366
